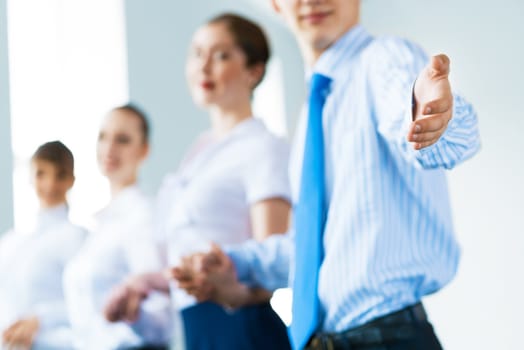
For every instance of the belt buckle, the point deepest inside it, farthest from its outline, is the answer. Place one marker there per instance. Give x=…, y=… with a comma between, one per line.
x=327, y=342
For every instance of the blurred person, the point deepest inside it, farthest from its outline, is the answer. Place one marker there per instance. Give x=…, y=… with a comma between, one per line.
x=32, y=306
x=231, y=186
x=372, y=232
x=119, y=244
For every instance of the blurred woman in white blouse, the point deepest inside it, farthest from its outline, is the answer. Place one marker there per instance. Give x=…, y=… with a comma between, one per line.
x=32, y=307
x=231, y=186
x=120, y=244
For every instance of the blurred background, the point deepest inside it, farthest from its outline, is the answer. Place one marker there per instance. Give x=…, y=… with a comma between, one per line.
x=65, y=63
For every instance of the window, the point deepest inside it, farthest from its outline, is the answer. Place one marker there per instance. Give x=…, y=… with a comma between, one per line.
x=268, y=102
x=68, y=67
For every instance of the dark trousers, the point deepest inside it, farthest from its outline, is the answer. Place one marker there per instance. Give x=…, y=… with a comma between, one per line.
x=407, y=329
x=423, y=339
x=209, y=327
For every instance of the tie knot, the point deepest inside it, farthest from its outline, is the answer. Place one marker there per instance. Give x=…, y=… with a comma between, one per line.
x=319, y=83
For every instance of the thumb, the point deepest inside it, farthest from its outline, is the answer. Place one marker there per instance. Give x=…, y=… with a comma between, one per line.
x=217, y=250
x=217, y=256
x=439, y=66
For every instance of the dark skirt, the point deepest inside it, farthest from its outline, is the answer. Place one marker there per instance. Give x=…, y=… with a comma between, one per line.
x=209, y=327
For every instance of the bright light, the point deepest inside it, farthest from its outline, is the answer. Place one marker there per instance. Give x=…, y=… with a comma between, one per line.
x=281, y=303
x=68, y=67
x=268, y=102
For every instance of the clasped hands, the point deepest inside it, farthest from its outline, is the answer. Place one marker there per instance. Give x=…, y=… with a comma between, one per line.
x=21, y=334
x=209, y=276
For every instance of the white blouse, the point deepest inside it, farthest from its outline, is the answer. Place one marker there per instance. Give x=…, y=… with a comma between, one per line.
x=121, y=244
x=31, y=271
x=209, y=197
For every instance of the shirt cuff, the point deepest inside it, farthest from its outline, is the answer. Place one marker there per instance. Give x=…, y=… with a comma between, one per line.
x=241, y=262
x=459, y=141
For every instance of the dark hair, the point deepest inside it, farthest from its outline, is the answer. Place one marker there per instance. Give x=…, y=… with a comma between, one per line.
x=249, y=36
x=141, y=115
x=56, y=153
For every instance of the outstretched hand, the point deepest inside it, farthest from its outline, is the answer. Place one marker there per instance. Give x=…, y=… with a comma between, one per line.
x=433, y=106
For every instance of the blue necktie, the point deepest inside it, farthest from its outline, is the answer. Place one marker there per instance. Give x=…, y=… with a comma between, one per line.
x=309, y=219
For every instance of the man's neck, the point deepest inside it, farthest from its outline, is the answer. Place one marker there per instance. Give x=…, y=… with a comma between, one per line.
x=311, y=52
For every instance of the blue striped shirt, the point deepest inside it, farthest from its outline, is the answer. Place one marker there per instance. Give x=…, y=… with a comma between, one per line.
x=389, y=237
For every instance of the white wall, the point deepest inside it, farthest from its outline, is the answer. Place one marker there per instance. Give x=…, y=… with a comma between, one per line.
x=483, y=307
x=67, y=69
x=6, y=158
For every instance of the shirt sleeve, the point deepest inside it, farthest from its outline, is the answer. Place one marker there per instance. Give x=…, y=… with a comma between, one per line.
x=265, y=264
x=395, y=65
x=154, y=324
x=266, y=175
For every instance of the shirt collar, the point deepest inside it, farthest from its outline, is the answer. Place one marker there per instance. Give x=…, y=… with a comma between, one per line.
x=49, y=216
x=245, y=127
x=119, y=202
x=335, y=57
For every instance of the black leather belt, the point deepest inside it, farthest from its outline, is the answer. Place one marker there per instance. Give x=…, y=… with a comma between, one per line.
x=399, y=325
x=148, y=347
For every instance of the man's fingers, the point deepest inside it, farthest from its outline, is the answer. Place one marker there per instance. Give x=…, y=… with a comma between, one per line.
x=185, y=285
x=212, y=260
x=215, y=255
x=218, y=252
x=437, y=106
x=426, y=136
x=201, y=293
x=202, y=296
x=426, y=131
x=184, y=280
x=181, y=274
x=215, y=258
x=439, y=66
x=430, y=123
x=421, y=145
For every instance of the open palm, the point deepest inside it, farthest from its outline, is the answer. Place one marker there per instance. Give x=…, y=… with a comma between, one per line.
x=433, y=103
